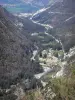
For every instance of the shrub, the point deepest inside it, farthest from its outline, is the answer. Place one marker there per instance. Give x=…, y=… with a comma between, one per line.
x=64, y=88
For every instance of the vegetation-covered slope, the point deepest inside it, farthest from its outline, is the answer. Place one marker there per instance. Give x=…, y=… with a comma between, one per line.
x=61, y=16
x=15, y=52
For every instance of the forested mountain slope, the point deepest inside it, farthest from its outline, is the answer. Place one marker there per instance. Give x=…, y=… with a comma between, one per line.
x=15, y=51
x=61, y=16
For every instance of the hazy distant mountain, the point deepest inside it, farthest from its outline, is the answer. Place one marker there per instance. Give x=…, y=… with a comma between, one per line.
x=25, y=6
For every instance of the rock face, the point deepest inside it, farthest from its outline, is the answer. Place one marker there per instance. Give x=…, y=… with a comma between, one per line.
x=15, y=51
x=60, y=15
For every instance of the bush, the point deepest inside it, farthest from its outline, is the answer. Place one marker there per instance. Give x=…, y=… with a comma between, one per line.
x=55, y=53
x=64, y=88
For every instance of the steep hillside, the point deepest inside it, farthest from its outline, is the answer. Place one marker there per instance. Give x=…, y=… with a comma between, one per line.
x=61, y=16
x=56, y=13
x=15, y=52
